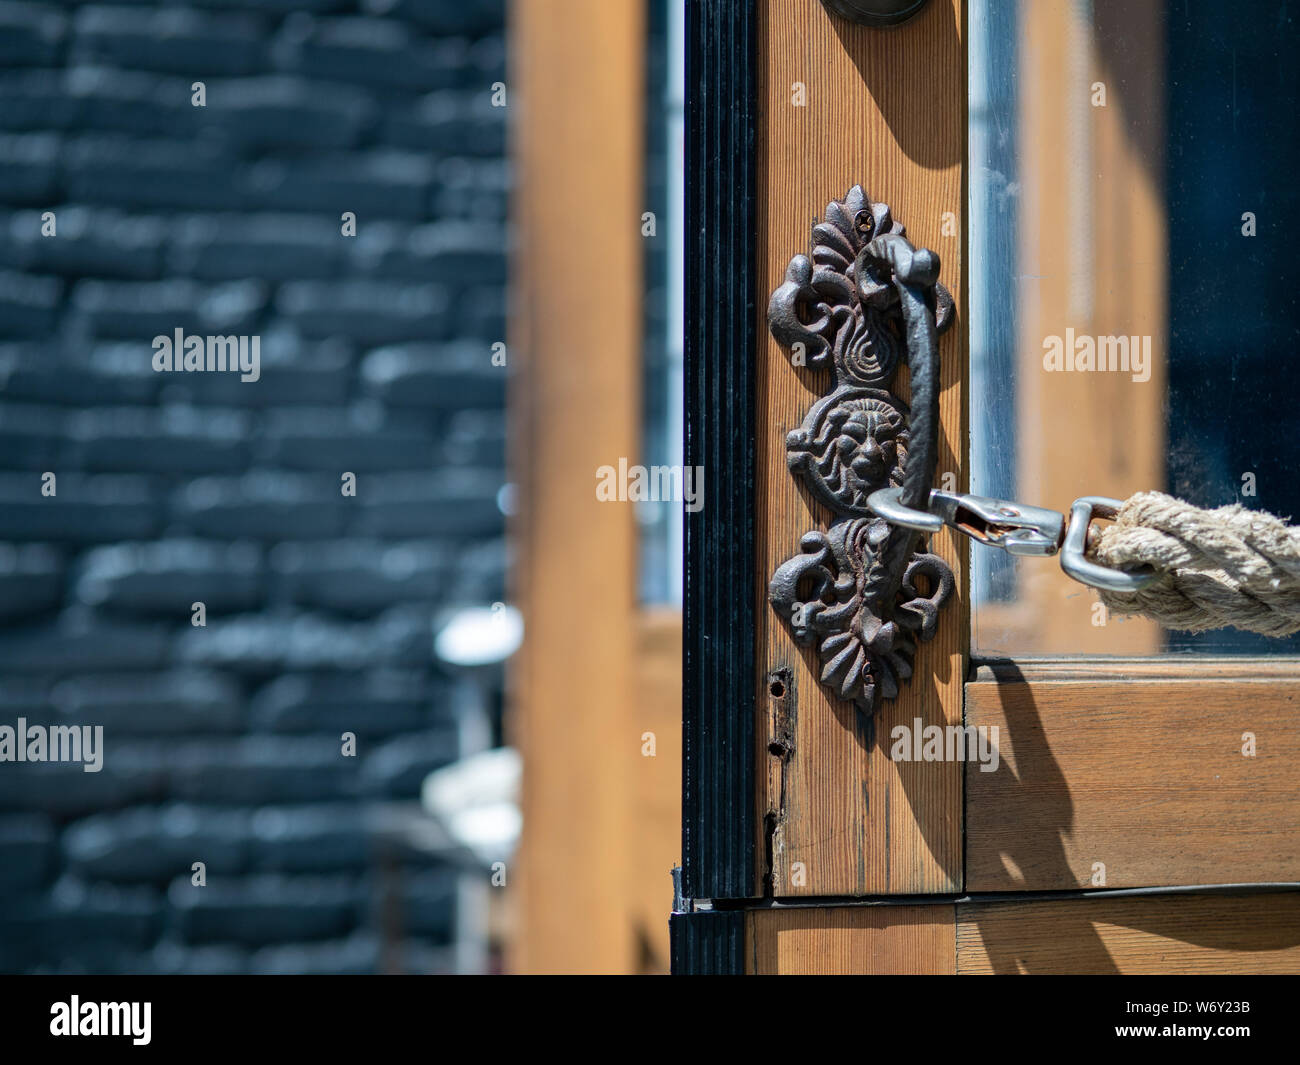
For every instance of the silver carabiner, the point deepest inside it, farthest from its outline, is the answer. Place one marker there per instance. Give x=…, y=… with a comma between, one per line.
x=1018, y=529
x=1074, y=549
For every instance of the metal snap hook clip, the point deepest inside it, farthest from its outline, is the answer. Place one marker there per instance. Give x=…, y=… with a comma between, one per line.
x=1018, y=529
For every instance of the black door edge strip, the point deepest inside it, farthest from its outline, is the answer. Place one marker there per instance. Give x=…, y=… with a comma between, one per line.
x=719, y=815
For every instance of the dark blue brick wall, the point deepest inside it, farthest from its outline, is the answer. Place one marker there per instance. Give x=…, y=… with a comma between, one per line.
x=222, y=743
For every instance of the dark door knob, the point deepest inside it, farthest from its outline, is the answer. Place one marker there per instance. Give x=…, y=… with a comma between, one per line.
x=874, y=12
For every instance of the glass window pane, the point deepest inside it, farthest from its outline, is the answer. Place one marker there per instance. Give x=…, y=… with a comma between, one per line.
x=1132, y=307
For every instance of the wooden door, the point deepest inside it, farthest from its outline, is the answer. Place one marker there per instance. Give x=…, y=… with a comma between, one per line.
x=1142, y=812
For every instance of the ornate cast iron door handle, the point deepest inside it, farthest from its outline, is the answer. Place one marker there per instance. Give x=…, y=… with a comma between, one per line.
x=865, y=302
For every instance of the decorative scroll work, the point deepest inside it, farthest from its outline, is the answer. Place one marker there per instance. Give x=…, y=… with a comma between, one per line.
x=855, y=591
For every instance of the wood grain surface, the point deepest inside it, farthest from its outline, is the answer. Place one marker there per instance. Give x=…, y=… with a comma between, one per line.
x=1159, y=935
x=1189, y=934
x=878, y=940
x=886, y=110
x=1146, y=778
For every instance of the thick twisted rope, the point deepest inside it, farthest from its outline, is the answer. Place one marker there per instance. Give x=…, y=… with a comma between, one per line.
x=1214, y=568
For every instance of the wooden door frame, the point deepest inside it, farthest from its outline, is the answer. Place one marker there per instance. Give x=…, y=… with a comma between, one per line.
x=725, y=605
x=721, y=924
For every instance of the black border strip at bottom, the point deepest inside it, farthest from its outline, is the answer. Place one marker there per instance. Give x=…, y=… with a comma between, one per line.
x=708, y=943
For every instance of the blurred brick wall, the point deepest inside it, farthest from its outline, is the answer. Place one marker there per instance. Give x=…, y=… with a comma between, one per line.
x=222, y=743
